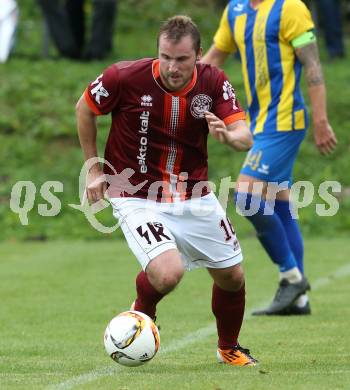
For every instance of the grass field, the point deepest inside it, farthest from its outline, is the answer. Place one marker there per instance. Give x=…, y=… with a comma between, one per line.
x=56, y=299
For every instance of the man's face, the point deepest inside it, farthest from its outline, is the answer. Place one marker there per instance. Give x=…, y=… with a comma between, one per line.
x=176, y=62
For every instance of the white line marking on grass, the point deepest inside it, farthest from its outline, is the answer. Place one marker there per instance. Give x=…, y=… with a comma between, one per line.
x=338, y=274
x=176, y=345
x=107, y=371
x=85, y=378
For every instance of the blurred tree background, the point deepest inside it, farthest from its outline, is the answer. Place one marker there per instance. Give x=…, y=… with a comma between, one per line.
x=38, y=140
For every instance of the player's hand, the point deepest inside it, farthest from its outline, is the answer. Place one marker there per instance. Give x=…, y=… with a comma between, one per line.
x=217, y=127
x=325, y=138
x=96, y=185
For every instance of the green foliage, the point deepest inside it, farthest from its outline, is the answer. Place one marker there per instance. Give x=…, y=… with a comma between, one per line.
x=38, y=140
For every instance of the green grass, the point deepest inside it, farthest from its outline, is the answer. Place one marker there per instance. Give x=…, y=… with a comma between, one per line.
x=56, y=299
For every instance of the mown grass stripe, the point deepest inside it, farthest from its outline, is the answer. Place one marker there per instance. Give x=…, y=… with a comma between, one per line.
x=191, y=338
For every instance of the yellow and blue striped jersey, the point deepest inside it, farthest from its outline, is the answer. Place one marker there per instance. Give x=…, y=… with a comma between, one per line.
x=271, y=71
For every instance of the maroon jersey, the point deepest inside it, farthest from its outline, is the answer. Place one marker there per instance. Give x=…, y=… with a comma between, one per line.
x=160, y=135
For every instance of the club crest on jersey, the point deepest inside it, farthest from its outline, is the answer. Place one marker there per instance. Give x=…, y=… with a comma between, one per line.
x=200, y=103
x=98, y=90
x=229, y=93
x=146, y=100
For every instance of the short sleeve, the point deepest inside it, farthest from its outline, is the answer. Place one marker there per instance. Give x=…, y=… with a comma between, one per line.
x=295, y=20
x=226, y=106
x=223, y=38
x=103, y=94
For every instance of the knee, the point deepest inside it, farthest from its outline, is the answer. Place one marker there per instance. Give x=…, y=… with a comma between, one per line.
x=232, y=280
x=164, y=282
x=169, y=282
x=236, y=281
x=165, y=271
x=248, y=204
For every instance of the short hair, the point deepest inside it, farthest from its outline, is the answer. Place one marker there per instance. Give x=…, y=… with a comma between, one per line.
x=179, y=26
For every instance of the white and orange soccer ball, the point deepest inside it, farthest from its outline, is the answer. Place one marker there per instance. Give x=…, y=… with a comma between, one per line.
x=131, y=338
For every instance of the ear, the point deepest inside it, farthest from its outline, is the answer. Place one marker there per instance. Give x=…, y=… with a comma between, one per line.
x=199, y=54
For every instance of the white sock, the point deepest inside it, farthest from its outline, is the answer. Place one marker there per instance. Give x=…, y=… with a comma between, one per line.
x=302, y=300
x=293, y=275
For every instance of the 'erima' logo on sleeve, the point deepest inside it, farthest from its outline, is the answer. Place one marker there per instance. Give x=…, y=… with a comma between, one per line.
x=99, y=90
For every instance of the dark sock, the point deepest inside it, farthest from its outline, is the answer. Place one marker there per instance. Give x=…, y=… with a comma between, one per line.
x=285, y=212
x=228, y=308
x=147, y=295
x=269, y=228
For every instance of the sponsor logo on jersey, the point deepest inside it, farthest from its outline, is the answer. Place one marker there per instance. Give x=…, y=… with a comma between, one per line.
x=143, y=131
x=264, y=169
x=229, y=93
x=200, y=103
x=98, y=90
x=146, y=101
x=239, y=7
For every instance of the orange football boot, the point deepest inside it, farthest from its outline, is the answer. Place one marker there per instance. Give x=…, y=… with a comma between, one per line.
x=236, y=356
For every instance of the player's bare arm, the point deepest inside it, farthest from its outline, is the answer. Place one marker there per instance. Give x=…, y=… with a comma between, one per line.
x=214, y=56
x=236, y=135
x=87, y=130
x=325, y=138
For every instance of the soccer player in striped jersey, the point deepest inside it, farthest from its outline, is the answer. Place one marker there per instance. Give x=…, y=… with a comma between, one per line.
x=274, y=40
x=162, y=111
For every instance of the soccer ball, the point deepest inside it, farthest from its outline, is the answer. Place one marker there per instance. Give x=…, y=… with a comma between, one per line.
x=131, y=338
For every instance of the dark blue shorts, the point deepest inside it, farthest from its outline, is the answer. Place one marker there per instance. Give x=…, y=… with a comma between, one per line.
x=273, y=155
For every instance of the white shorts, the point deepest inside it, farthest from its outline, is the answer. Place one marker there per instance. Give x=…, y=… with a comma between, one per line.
x=198, y=228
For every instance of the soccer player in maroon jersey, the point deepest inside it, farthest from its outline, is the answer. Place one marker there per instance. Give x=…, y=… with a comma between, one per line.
x=162, y=111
